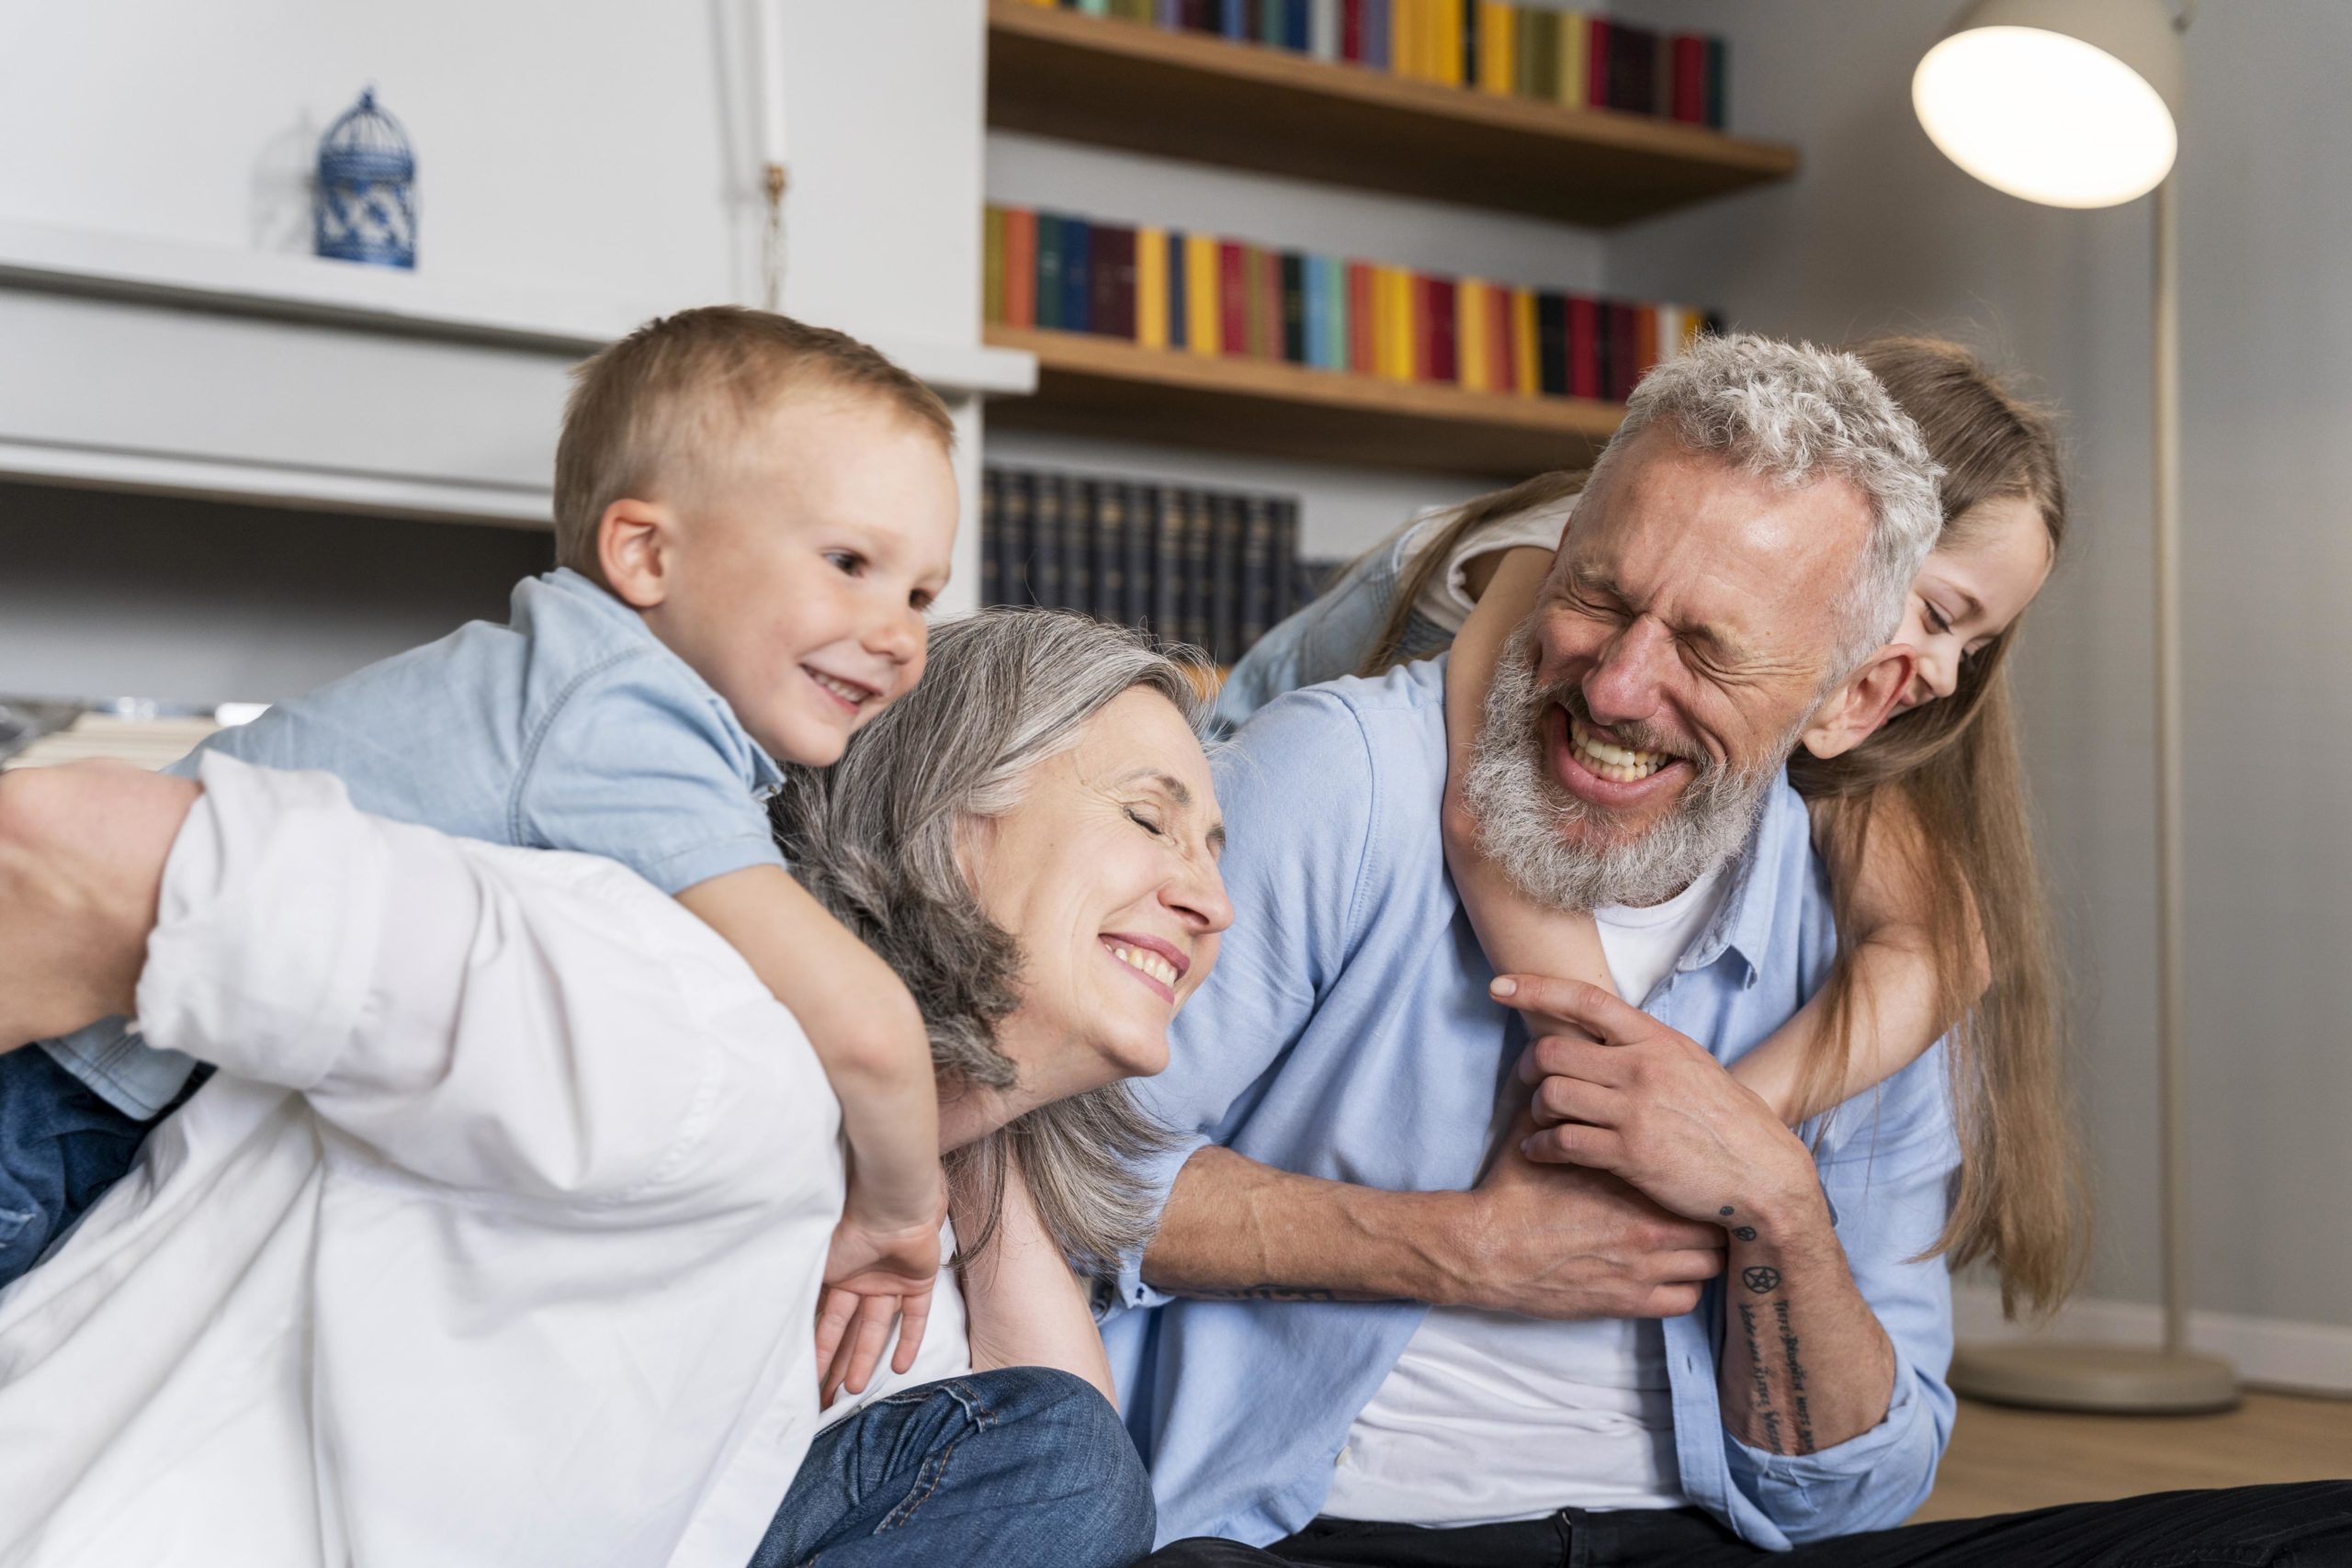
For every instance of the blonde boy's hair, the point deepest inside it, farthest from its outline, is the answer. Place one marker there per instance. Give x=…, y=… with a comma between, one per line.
x=666, y=398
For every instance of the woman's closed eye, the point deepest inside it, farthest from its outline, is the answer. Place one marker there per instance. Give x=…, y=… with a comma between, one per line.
x=1145, y=821
x=1937, y=621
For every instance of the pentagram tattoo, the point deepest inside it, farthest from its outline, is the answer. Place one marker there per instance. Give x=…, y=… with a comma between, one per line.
x=1744, y=1233
x=1724, y=1211
x=1760, y=1279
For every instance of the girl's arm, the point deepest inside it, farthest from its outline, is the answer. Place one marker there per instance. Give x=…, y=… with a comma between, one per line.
x=1900, y=1006
x=1024, y=1306
x=1518, y=934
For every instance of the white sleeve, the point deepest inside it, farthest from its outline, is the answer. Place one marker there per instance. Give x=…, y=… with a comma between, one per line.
x=1446, y=598
x=541, y=1024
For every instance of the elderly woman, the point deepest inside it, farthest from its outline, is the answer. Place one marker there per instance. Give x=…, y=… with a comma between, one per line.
x=493, y=1238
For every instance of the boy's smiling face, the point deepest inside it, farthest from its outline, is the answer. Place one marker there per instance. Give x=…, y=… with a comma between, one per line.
x=793, y=574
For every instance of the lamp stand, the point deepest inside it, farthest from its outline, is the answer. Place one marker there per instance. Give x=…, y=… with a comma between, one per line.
x=2122, y=1380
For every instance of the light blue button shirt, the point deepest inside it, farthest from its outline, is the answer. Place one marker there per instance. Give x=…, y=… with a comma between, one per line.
x=1329, y=636
x=570, y=727
x=1346, y=1032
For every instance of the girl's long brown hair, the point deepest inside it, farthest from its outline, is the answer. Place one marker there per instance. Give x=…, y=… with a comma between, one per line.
x=1941, y=785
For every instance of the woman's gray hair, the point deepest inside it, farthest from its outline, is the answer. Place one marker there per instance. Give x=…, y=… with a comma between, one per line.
x=1790, y=412
x=876, y=838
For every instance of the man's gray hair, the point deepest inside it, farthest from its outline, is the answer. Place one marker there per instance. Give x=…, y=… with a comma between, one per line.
x=1792, y=413
x=876, y=838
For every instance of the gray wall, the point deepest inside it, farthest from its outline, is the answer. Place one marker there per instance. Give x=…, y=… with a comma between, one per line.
x=1882, y=232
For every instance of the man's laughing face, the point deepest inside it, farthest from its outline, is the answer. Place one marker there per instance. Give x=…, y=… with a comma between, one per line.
x=1677, y=651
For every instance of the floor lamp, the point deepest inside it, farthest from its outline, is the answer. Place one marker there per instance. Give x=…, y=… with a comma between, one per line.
x=2071, y=102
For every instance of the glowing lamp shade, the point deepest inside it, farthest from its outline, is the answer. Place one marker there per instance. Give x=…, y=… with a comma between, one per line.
x=2057, y=102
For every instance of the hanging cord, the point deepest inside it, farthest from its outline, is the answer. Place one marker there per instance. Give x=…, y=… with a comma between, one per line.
x=772, y=243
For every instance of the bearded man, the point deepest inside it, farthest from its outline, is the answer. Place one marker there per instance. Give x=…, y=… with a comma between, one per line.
x=1369, y=1330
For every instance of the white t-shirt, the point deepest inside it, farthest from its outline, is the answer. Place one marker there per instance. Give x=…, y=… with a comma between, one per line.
x=496, y=1239
x=1446, y=600
x=1488, y=1415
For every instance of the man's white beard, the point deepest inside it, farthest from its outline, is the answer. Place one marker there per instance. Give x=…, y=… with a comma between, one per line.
x=1524, y=813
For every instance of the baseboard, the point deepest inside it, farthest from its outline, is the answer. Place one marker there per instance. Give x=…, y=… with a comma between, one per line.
x=2301, y=1358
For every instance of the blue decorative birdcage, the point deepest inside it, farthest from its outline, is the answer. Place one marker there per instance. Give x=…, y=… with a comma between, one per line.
x=367, y=198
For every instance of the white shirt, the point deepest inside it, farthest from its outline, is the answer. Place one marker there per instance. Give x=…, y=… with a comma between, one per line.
x=1488, y=1415
x=497, y=1240
x=1445, y=600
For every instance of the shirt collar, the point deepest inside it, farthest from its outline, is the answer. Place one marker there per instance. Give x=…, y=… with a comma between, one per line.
x=1778, y=847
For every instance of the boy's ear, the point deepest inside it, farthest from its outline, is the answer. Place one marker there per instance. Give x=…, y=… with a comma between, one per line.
x=1860, y=703
x=634, y=541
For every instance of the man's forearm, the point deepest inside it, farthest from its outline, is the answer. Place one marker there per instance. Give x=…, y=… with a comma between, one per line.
x=1237, y=1230
x=1805, y=1364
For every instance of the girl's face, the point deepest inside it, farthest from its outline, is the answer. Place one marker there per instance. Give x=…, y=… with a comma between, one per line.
x=1968, y=594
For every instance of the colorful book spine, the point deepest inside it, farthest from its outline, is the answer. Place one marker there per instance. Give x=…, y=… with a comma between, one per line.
x=1151, y=291
x=1077, y=276
x=1202, y=326
x=992, y=264
x=1584, y=348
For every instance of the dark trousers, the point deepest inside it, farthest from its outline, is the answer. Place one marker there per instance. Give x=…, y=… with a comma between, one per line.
x=2303, y=1525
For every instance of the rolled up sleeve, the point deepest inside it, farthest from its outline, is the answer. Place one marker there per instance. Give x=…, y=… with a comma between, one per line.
x=1888, y=1188
x=543, y=1026
x=1297, y=787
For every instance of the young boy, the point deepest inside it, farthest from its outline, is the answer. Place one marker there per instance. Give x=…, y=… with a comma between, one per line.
x=752, y=516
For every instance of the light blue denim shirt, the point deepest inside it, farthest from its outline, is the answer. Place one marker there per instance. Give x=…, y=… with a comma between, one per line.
x=1346, y=1034
x=570, y=727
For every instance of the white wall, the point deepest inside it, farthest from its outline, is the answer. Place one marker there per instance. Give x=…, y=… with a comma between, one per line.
x=1343, y=510
x=1882, y=232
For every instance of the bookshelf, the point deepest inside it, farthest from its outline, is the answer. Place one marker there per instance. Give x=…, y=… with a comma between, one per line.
x=1089, y=384
x=1120, y=83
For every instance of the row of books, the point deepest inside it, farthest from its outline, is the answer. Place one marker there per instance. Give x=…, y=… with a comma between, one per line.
x=1166, y=289
x=1214, y=569
x=1572, y=58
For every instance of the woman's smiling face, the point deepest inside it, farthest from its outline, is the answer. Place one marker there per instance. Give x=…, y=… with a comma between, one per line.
x=1105, y=873
x=1968, y=594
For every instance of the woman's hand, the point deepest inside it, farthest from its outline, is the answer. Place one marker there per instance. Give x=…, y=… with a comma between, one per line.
x=82, y=853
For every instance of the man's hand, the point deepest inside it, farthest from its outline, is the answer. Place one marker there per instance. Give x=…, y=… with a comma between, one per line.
x=1650, y=1105
x=82, y=853
x=1562, y=1243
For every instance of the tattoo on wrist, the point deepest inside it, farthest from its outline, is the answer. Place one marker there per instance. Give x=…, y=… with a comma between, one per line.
x=1744, y=1233
x=1796, y=1377
x=1760, y=1381
x=1760, y=1279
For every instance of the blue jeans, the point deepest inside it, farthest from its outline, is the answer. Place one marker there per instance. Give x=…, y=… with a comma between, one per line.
x=1023, y=1468
x=61, y=1148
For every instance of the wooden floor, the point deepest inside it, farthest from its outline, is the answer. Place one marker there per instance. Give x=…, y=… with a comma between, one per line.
x=2002, y=1460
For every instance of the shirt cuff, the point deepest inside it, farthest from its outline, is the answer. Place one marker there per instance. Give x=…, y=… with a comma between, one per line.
x=1160, y=1175
x=681, y=869
x=1812, y=1494
x=267, y=933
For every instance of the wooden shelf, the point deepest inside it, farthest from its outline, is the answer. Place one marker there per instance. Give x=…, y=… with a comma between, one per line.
x=1190, y=96
x=1109, y=387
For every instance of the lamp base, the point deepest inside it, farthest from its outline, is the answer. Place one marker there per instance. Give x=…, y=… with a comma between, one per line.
x=2114, y=1379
